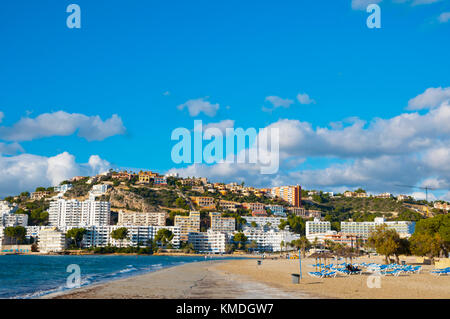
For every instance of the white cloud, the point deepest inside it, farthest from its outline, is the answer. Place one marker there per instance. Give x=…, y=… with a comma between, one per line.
x=60, y=123
x=166, y=93
x=304, y=98
x=431, y=98
x=408, y=149
x=277, y=101
x=444, y=17
x=2, y=115
x=25, y=172
x=197, y=106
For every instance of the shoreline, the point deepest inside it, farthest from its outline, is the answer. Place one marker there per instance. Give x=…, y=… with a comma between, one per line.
x=195, y=280
x=243, y=278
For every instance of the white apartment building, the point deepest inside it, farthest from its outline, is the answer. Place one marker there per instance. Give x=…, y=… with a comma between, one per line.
x=51, y=240
x=74, y=213
x=208, y=242
x=363, y=229
x=317, y=227
x=222, y=224
x=13, y=220
x=7, y=208
x=100, y=236
x=99, y=189
x=269, y=240
x=63, y=188
x=274, y=222
x=142, y=218
x=277, y=210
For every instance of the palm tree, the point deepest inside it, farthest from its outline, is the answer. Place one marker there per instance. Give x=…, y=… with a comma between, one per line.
x=301, y=244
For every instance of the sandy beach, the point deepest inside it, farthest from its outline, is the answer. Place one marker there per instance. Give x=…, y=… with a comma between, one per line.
x=243, y=278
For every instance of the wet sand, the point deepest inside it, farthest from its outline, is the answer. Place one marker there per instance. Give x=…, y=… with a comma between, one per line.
x=198, y=280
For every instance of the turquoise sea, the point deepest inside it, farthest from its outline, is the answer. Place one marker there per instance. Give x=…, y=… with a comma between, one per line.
x=31, y=276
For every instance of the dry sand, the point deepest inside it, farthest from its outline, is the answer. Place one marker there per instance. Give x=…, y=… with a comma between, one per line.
x=272, y=279
x=276, y=273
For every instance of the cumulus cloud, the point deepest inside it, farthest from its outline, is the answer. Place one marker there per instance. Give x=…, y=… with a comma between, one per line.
x=25, y=172
x=431, y=98
x=304, y=98
x=408, y=149
x=201, y=105
x=61, y=123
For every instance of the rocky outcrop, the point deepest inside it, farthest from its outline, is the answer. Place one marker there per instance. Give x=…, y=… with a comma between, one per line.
x=121, y=198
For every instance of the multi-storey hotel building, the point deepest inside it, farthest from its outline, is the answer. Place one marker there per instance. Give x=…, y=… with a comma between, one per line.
x=142, y=218
x=222, y=224
x=74, y=213
x=188, y=224
x=291, y=194
x=269, y=240
x=363, y=229
x=261, y=222
x=100, y=236
x=209, y=242
x=317, y=227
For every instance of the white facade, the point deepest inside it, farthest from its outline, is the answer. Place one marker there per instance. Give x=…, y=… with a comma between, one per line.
x=74, y=213
x=100, y=236
x=52, y=240
x=263, y=221
x=99, y=189
x=317, y=227
x=363, y=229
x=208, y=242
x=142, y=218
x=269, y=240
x=63, y=188
x=222, y=224
x=13, y=220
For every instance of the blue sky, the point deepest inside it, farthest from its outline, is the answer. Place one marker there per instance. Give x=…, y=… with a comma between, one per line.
x=128, y=54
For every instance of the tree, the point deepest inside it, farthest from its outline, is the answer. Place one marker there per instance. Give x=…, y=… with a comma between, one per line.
x=253, y=224
x=163, y=236
x=240, y=239
x=425, y=244
x=437, y=225
x=18, y=233
x=302, y=244
x=282, y=245
x=76, y=235
x=120, y=234
x=386, y=242
x=252, y=246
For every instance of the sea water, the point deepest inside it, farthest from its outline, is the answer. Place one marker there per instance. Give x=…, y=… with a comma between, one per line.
x=32, y=276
